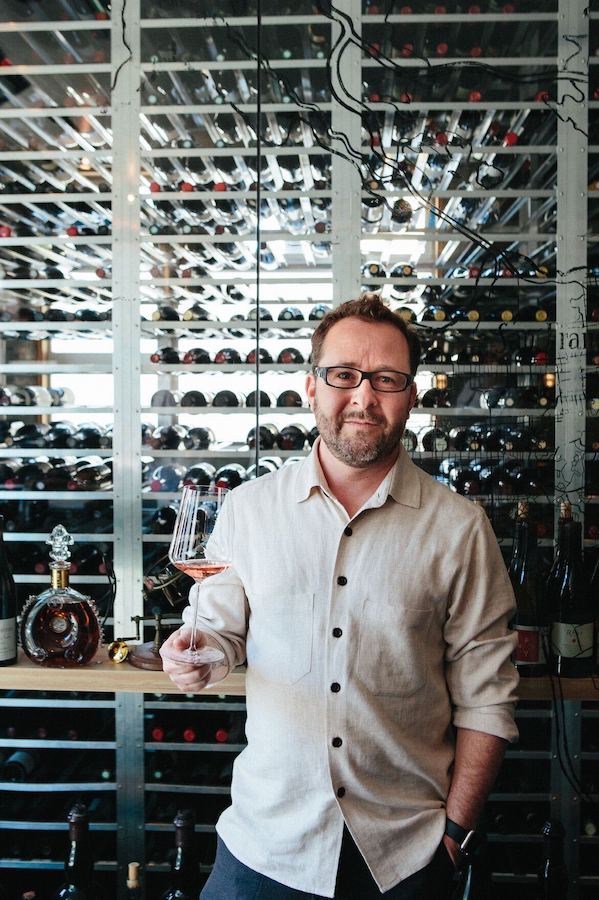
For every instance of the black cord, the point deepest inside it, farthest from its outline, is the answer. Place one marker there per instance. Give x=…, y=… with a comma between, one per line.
x=126, y=43
x=258, y=442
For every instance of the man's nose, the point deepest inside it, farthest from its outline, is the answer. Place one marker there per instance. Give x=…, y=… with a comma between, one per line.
x=364, y=394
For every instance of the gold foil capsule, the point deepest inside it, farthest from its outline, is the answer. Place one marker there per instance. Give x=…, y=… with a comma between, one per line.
x=118, y=651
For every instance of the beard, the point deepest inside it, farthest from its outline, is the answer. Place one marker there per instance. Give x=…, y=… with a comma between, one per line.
x=362, y=449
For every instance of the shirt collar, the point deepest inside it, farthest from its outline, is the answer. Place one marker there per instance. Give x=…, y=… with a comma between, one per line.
x=402, y=482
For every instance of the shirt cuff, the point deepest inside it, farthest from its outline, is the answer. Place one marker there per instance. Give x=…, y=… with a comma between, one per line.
x=497, y=720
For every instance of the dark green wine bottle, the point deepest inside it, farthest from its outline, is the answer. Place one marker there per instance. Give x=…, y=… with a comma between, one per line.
x=185, y=873
x=8, y=607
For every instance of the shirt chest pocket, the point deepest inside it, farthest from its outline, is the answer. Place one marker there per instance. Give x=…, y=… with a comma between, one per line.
x=279, y=640
x=392, y=648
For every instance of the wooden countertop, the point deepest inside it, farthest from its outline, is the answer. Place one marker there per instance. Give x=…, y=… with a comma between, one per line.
x=103, y=675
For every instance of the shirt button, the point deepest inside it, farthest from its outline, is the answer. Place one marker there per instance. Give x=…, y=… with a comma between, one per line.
x=342, y=580
x=335, y=687
x=337, y=632
x=336, y=742
x=341, y=792
x=348, y=531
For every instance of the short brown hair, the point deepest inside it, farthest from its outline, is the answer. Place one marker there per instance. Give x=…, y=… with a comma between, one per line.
x=370, y=308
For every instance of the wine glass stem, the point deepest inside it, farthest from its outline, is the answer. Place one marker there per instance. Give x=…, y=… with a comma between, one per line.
x=194, y=607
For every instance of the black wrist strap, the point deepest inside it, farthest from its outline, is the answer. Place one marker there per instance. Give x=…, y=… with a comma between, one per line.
x=468, y=839
x=455, y=831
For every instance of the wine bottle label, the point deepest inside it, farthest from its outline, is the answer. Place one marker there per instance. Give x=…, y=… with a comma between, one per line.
x=530, y=650
x=8, y=638
x=572, y=641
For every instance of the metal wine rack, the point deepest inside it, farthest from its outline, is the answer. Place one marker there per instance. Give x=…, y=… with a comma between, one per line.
x=149, y=160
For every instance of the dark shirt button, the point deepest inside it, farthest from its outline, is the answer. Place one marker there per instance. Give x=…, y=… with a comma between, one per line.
x=342, y=580
x=337, y=632
x=348, y=531
x=335, y=687
x=336, y=742
x=341, y=792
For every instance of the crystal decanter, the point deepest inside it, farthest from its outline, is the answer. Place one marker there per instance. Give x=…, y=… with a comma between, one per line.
x=60, y=627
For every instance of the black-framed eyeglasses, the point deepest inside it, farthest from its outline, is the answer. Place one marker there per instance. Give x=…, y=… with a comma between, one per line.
x=347, y=378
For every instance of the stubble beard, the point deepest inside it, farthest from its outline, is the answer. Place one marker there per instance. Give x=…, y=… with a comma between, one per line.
x=362, y=449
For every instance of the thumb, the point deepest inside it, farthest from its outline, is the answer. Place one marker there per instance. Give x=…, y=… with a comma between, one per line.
x=181, y=638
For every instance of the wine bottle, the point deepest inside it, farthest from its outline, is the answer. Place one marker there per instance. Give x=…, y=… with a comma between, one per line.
x=79, y=865
x=59, y=434
x=230, y=476
x=291, y=314
x=529, y=658
x=290, y=398
x=318, y=312
x=167, y=478
x=552, y=876
x=290, y=356
x=88, y=435
x=438, y=395
x=20, y=766
x=202, y=474
x=199, y=438
x=409, y=440
x=228, y=399
x=197, y=355
x=465, y=480
x=572, y=610
x=86, y=559
x=227, y=356
x=435, y=440
x=185, y=876
x=268, y=435
x=94, y=477
x=8, y=607
x=166, y=355
x=167, y=437
x=194, y=398
x=262, y=354
x=292, y=437
x=162, y=521
x=265, y=399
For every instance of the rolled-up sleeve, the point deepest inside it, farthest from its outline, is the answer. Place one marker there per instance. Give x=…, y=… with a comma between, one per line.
x=481, y=677
x=222, y=606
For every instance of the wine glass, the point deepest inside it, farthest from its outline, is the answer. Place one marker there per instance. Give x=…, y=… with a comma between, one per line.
x=198, y=512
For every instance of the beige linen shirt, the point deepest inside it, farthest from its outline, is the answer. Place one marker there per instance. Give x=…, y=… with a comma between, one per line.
x=367, y=640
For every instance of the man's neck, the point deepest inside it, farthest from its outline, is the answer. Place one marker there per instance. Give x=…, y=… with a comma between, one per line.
x=352, y=486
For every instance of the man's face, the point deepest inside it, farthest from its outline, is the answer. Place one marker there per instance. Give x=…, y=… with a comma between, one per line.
x=361, y=426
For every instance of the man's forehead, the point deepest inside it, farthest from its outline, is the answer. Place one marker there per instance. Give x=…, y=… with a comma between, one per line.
x=358, y=334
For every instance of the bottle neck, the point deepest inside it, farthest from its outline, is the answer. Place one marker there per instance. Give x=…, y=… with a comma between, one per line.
x=59, y=577
x=572, y=552
x=79, y=864
x=523, y=544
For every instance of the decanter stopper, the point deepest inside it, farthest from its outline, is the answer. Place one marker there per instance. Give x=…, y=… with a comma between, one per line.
x=60, y=540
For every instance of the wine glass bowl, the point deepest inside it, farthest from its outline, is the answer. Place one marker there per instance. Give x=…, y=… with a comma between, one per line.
x=198, y=512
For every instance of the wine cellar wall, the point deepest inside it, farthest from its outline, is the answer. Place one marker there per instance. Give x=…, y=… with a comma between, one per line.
x=181, y=200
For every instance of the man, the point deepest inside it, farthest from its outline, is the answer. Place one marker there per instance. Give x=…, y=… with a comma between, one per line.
x=372, y=604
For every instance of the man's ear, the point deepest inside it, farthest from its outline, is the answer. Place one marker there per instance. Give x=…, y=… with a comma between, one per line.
x=310, y=388
x=413, y=396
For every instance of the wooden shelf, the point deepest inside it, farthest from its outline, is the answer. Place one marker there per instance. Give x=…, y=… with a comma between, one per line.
x=103, y=675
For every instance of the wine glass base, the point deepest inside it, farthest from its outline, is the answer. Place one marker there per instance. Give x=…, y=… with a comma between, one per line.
x=145, y=656
x=204, y=656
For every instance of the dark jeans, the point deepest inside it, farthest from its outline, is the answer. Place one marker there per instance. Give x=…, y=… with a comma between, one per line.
x=231, y=880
